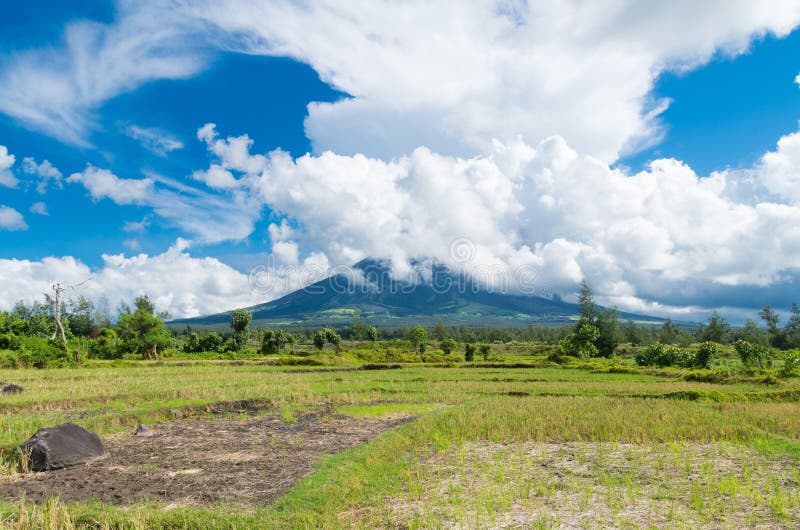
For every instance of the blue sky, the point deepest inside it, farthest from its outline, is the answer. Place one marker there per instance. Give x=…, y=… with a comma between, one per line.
x=84, y=90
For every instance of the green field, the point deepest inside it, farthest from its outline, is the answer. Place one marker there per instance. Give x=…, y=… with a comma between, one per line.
x=538, y=447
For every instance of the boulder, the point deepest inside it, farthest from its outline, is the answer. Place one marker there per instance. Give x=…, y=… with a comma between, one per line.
x=9, y=388
x=143, y=430
x=62, y=446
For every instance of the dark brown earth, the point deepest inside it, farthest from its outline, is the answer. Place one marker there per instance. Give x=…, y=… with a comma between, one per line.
x=204, y=462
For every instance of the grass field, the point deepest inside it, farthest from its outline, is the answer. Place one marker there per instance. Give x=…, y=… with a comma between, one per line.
x=538, y=447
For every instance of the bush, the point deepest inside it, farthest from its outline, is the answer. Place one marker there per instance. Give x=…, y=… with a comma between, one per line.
x=702, y=358
x=485, y=350
x=448, y=346
x=791, y=365
x=753, y=355
x=469, y=352
x=666, y=355
x=104, y=346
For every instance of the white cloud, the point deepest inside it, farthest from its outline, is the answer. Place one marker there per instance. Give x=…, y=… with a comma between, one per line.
x=448, y=75
x=11, y=220
x=56, y=90
x=184, y=285
x=154, y=139
x=7, y=160
x=454, y=75
x=102, y=183
x=39, y=208
x=545, y=206
x=46, y=172
x=136, y=226
x=211, y=218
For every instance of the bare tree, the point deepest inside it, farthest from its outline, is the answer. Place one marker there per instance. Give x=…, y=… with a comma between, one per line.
x=59, y=331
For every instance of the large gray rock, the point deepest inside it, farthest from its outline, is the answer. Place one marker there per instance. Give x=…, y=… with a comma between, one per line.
x=62, y=446
x=8, y=388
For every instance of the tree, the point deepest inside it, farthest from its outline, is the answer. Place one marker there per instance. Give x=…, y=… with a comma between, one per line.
x=580, y=343
x=333, y=338
x=448, y=346
x=771, y=318
x=416, y=336
x=240, y=323
x=485, y=350
x=469, y=352
x=751, y=333
x=372, y=334
x=320, y=338
x=716, y=330
x=607, y=332
x=792, y=329
x=439, y=331
x=631, y=333
x=587, y=303
x=269, y=345
x=141, y=331
x=669, y=332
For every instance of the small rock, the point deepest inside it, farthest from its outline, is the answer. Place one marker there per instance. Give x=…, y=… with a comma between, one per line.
x=143, y=430
x=62, y=446
x=12, y=389
x=176, y=413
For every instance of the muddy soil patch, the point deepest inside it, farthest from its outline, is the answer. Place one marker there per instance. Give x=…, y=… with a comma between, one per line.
x=204, y=462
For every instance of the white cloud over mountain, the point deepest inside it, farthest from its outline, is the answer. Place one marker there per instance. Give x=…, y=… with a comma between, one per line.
x=496, y=121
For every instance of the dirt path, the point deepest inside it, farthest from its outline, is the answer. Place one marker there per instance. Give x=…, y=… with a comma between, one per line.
x=204, y=462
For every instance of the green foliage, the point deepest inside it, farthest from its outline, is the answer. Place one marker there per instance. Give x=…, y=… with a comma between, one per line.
x=581, y=342
x=485, y=350
x=669, y=332
x=667, y=355
x=240, y=324
x=469, y=352
x=320, y=338
x=141, y=332
x=416, y=336
x=333, y=338
x=448, y=346
x=372, y=333
x=269, y=344
x=702, y=358
x=105, y=345
x=753, y=355
x=716, y=330
x=608, y=335
x=791, y=364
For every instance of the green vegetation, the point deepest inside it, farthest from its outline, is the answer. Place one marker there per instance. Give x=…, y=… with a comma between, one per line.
x=598, y=425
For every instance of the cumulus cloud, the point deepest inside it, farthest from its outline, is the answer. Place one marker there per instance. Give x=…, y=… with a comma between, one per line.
x=154, y=139
x=569, y=216
x=7, y=160
x=102, y=184
x=39, y=208
x=11, y=220
x=184, y=285
x=448, y=75
x=46, y=173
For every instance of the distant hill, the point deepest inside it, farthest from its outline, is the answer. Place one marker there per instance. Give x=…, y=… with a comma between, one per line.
x=383, y=301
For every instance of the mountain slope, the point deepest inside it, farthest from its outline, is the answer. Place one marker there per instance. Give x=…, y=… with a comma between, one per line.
x=384, y=301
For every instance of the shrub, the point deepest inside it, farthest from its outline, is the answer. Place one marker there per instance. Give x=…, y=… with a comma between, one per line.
x=753, y=355
x=104, y=346
x=485, y=350
x=702, y=358
x=791, y=365
x=469, y=352
x=448, y=346
x=665, y=355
